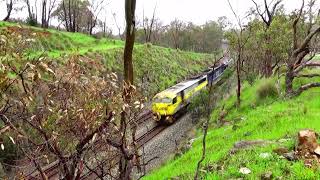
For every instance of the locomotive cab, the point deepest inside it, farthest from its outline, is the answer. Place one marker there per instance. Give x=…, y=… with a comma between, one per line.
x=164, y=105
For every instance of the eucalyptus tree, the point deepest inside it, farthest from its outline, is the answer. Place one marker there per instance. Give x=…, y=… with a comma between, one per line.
x=305, y=29
x=267, y=15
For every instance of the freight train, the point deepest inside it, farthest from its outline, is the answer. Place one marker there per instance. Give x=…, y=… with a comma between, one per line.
x=167, y=104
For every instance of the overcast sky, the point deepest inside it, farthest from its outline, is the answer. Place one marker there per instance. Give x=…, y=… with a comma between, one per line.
x=196, y=11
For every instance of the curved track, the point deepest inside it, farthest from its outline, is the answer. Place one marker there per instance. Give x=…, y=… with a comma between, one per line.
x=145, y=138
x=52, y=170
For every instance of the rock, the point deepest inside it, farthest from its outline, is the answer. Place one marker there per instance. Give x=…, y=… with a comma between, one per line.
x=317, y=150
x=245, y=170
x=281, y=150
x=246, y=144
x=266, y=176
x=290, y=156
x=307, y=140
x=265, y=155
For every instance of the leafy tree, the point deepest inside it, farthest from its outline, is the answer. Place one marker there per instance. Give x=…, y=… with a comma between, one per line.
x=77, y=15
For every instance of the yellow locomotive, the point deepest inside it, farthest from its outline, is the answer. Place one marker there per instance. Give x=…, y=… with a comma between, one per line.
x=167, y=103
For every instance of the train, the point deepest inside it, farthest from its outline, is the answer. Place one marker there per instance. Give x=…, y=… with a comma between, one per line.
x=167, y=104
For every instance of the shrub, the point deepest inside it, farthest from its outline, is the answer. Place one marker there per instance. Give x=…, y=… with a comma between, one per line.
x=31, y=21
x=267, y=89
x=251, y=78
x=149, y=45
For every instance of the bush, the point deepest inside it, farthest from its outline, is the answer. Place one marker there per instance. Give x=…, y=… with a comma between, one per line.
x=267, y=89
x=251, y=78
x=31, y=21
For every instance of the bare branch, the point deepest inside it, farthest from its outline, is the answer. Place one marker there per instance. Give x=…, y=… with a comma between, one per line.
x=307, y=86
x=235, y=15
x=259, y=13
x=294, y=25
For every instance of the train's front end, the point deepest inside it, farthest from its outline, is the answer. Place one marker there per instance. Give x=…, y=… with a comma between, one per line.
x=162, y=106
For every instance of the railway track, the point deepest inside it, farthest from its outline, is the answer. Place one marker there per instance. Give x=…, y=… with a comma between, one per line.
x=143, y=117
x=150, y=135
x=52, y=170
x=145, y=138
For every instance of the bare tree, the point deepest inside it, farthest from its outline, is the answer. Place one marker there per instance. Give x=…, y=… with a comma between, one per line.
x=117, y=25
x=298, y=57
x=46, y=13
x=209, y=103
x=175, y=30
x=241, y=40
x=148, y=26
x=32, y=10
x=130, y=7
x=205, y=131
x=96, y=6
x=9, y=5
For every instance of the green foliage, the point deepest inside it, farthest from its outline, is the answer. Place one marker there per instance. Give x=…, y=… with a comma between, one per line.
x=267, y=89
x=261, y=44
x=187, y=36
x=199, y=106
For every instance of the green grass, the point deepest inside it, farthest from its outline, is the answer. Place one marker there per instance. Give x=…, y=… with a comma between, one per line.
x=156, y=68
x=270, y=119
x=56, y=43
x=317, y=57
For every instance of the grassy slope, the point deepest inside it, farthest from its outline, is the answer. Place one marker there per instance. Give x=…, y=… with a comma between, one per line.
x=159, y=67
x=271, y=119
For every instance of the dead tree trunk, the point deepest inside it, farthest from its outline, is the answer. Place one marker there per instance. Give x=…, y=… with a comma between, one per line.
x=9, y=10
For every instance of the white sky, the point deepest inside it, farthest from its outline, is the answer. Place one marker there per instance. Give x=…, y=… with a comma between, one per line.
x=196, y=11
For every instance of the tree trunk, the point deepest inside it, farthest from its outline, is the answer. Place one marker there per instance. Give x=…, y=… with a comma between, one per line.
x=268, y=64
x=29, y=9
x=238, y=82
x=289, y=79
x=9, y=10
x=238, y=68
x=130, y=6
x=44, y=14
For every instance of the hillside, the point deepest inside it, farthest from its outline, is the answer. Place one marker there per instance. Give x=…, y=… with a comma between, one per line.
x=156, y=67
x=251, y=137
